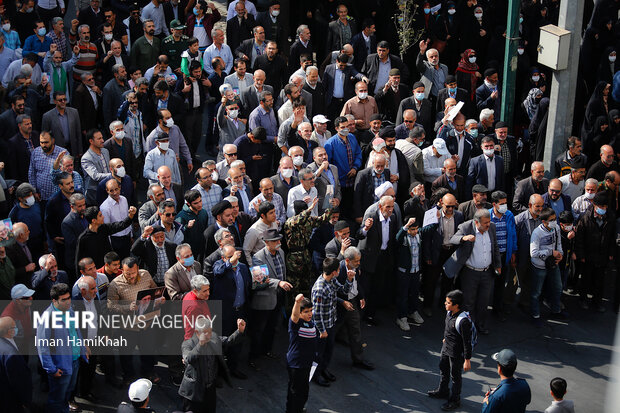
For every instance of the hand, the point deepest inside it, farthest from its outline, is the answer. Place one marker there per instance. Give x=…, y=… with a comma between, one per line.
x=187, y=88
x=557, y=255
x=314, y=202
x=499, y=270
x=88, y=352
x=53, y=48
x=469, y=238
x=334, y=202
x=467, y=365
x=359, y=123
x=368, y=224
x=59, y=240
x=191, y=223
x=323, y=334
x=513, y=260
x=148, y=230
x=351, y=173
x=483, y=32
x=234, y=189
x=365, y=79
x=286, y=286
x=393, y=178
x=59, y=159
x=410, y=223
x=350, y=275
x=346, y=243
x=307, y=199
x=133, y=306
x=494, y=94
x=211, y=6
x=58, y=373
x=74, y=24
x=205, y=82
x=571, y=235
x=324, y=166
x=486, y=398
x=240, y=325
x=478, y=74
x=423, y=46
x=96, y=89
x=235, y=258
x=76, y=50
x=299, y=297
x=257, y=157
x=132, y=211
x=31, y=267
x=362, y=303
x=455, y=158
x=429, y=262
x=190, y=167
x=156, y=70
x=348, y=306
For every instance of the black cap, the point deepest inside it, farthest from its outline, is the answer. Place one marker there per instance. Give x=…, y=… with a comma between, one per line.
x=271, y=235
x=220, y=207
x=600, y=199
x=418, y=84
x=479, y=189
x=376, y=116
x=299, y=206
x=394, y=72
x=156, y=229
x=450, y=79
x=505, y=358
x=340, y=225
x=490, y=72
x=500, y=124
x=578, y=162
x=387, y=132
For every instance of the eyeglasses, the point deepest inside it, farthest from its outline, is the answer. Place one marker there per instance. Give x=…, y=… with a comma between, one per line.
x=450, y=206
x=408, y=121
x=231, y=154
x=61, y=99
x=170, y=214
x=554, y=191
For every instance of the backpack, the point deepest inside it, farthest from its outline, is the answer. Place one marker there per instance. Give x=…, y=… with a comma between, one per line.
x=474, y=331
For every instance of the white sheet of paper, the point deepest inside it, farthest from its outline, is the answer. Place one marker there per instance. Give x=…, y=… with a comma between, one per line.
x=313, y=369
x=455, y=110
x=430, y=217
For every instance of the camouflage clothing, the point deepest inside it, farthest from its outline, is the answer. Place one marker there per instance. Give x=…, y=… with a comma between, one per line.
x=297, y=231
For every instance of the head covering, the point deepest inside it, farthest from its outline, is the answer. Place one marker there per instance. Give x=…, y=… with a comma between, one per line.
x=299, y=207
x=440, y=145
x=378, y=144
x=530, y=103
x=271, y=235
x=500, y=124
x=417, y=85
x=382, y=189
x=139, y=390
x=20, y=291
x=320, y=119
x=479, y=189
x=376, y=116
x=162, y=136
x=450, y=79
x=340, y=225
x=600, y=199
x=387, y=132
x=466, y=66
x=220, y=207
x=176, y=25
x=505, y=358
x=157, y=228
x=394, y=72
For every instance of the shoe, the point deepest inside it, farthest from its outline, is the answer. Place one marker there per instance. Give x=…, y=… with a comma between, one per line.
x=253, y=366
x=538, y=323
x=562, y=315
x=416, y=317
x=427, y=311
x=239, y=374
x=320, y=381
x=89, y=397
x=583, y=304
x=363, y=364
x=438, y=394
x=446, y=407
x=403, y=324
x=73, y=407
x=372, y=321
x=483, y=331
x=329, y=376
x=600, y=308
x=272, y=356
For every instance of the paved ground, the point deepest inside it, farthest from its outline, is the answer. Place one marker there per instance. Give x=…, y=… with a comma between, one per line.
x=580, y=351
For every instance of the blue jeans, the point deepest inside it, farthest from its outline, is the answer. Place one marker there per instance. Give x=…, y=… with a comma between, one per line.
x=407, y=291
x=553, y=279
x=61, y=389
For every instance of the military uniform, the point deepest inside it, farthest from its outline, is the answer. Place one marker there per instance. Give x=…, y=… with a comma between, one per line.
x=297, y=231
x=173, y=49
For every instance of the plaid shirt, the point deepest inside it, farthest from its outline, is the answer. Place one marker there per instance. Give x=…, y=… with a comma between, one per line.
x=324, y=301
x=162, y=264
x=121, y=294
x=580, y=205
x=379, y=180
x=11, y=39
x=414, y=247
x=61, y=42
x=347, y=144
x=505, y=153
x=209, y=199
x=279, y=266
x=39, y=171
x=276, y=201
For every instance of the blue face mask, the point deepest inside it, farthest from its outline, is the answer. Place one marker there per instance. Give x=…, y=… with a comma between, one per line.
x=419, y=96
x=473, y=133
x=520, y=20
x=600, y=211
x=41, y=31
x=15, y=331
x=195, y=11
x=189, y=261
x=427, y=11
x=452, y=89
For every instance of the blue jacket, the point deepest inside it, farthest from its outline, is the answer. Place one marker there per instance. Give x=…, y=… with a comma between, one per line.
x=511, y=396
x=60, y=356
x=337, y=155
x=404, y=253
x=224, y=286
x=511, y=234
x=15, y=378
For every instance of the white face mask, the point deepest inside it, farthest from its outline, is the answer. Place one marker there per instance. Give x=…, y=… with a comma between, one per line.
x=233, y=114
x=120, y=171
x=520, y=51
x=164, y=146
x=215, y=176
x=298, y=160
x=612, y=59
x=488, y=152
x=286, y=173
x=502, y=208
x=589, y=195
x=568, y=228
x=30, y=201
x=275, y=13
x=170, y=123
x=362, y=95
x=107, y=37
x=119, y=134
x=6, y=27
x=451, y=11
x=552, y=224
x=472, y=59
x=478, y=16
x=535, y=78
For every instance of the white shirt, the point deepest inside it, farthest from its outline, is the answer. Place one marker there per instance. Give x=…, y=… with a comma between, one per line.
x=481, y=253
x=114, y=212
x=432, y=164
x=490, y=172
x=298, y=193
x=285, y=111
x=461, y=141
x=94, y=96
x=570, y=188
x=385, y=231
x=394, y=169
x=90, y=307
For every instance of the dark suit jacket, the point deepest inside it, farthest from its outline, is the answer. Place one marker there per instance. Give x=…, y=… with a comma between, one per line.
x=224, y=288
x=20, y=260
x=176, y=106
x=15, y=380
x=371, y=69
x=72, y=226
x=334, y=42
x=404, y=178
x=281, y=188
x=102, y=308
x=360, y=52
x=250, y=100
x=389, y=102
x=461, y=96
x=332, y=249
x=244, y=48
x=477, y=173
x=145, y=251
x=442, y=182
x=523, y=191
x=106, y=67
x=318, y=97
x=432, y=239
x=370, y=247
x=211, y=246
x=424, y=115
x=351, y=76
x=83, y=102
x=73, y=142
x=455, y=263
x=484, y=101
x=452, y=143
x=297, y=49
x=248, y=191
x=169, y=13
x=263, y=19
x=364, y=190
x=236, y=33
x=512, y=148
x=131, y=164
x=178, y=194
x=342, y=279
x=19, y=161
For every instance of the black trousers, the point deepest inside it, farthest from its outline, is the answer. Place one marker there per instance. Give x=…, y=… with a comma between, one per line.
x=593, y=282
x=432, y=275
x=351, y=322
x=334, y=108
x=477, y=286
x=375, y=283
x=346, y=203
x=500, y=284
x=451, y=368
x=326, y=350
x=121, y=245
x=207, y=405
x=298, y=386
x=262, y=328
x=193, y=128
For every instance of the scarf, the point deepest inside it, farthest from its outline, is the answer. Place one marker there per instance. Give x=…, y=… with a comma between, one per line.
x=470, y=68
x=530, y=103
x=60, y=79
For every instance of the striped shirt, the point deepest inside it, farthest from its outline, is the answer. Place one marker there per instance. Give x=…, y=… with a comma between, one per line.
x=500, y=231
x=39, y=174
x=87, y=62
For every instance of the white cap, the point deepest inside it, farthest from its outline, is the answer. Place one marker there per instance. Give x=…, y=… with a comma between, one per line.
x=320, y=119
x=382, y=189
x=440, y=145
x=139, y=390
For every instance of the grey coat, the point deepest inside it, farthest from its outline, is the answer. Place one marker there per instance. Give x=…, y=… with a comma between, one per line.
x=94, y=172
x=455, y=263
x=228, y=131
x=177, y=281
x=147, y=215
x=51, y=123
x=265, y=296
x=322, y=181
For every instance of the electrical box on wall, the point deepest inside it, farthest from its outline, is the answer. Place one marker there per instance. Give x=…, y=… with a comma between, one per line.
x=553, y=47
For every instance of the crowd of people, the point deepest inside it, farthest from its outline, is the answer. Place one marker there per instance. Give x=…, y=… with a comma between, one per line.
x=288, y=156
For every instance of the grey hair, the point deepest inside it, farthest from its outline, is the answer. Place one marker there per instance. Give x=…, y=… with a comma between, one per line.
x=591, y=181
x=231, y=199
x=351, y=253
x=55, y=20
x=470, y=122
x=214, y=32
x=202, y=323
x=43, y=259
x=208, y=162
x=19, y=229
x=116, y=68
x=149, y=192
x=533, y=197
x=198, y=281
x=219, y=234
x=82, y=283
x=181, y=247
x=144, y=22
x=237, y=163
x=115, y=123
x=311, y=68
x=85, y=75
x=384, y=199
x=536, y=164
x=481, y=213
x=304, y=172
x=81, y=27
x=349, y=116
x=68, y=157
x=431, y=50
x=301, y=28
x=296, y=77
x=378, y=156
x=141, y=81
x=76, y=197
x=21, y=118
x=486, y=114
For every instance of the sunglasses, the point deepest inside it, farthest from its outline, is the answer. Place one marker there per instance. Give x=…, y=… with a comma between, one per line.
x=231, y=154
x=170, y=214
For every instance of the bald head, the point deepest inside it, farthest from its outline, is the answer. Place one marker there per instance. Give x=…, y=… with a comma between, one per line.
x=450, y=102
x=347, y=49
x=448, y=204
x=7, y=324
